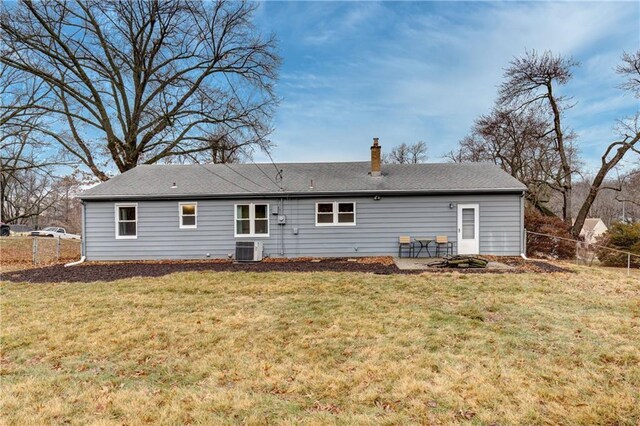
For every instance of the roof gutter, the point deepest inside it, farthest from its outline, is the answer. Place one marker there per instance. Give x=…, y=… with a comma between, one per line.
x=313, y=194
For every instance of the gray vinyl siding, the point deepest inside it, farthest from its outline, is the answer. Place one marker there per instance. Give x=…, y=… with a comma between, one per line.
x=378, y=226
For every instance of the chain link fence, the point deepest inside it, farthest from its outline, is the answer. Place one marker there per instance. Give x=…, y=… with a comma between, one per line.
x=25, y=250
x=586, y=253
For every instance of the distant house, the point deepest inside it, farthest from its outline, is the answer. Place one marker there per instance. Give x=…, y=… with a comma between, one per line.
x=301, y=209
x=592, y=229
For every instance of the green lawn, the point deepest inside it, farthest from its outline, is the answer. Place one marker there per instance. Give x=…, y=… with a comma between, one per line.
x=323, y=348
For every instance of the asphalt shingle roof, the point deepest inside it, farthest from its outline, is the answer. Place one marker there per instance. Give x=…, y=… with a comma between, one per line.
x=156, y=181
x=590, y=223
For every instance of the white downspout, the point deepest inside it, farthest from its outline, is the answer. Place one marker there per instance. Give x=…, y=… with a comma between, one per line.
x=77, y=262
x=82, y=242
x=281, y=228
x=523, y=234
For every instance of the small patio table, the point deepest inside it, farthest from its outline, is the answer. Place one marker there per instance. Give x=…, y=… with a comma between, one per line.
x=424, y=244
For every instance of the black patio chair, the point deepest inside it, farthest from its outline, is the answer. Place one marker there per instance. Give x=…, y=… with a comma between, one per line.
x=405, y=241
x=442, y=242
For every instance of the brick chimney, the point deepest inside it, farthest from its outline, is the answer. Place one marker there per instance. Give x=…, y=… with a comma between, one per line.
x=375, y=158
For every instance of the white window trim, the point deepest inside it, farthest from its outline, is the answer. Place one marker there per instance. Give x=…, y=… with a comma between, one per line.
x=335, y=213
x=117, y=220
x=252, y=223
x=180, y=215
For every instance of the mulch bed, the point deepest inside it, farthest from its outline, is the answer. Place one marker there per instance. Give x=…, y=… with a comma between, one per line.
x=95, y=271
x=529, y=265
x=116, y=271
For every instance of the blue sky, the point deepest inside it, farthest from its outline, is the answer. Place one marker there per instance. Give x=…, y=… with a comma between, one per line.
x=409, y=71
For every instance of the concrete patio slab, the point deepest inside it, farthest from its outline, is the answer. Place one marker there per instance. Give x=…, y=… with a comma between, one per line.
x=412, y=263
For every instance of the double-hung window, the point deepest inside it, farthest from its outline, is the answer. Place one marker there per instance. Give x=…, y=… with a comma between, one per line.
x=188, y=215
x=335, y=213
x=126, y=221
x=251, y=220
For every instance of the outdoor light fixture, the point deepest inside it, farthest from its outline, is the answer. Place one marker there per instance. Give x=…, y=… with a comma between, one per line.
x=377, y=198
x=451, y=205
x=174, y=185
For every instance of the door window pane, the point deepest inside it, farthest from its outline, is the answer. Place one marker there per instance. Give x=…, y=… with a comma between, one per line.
x=468, y=224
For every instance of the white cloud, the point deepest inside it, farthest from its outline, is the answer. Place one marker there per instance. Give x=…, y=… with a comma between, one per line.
x=431, y=71
x=334, y=27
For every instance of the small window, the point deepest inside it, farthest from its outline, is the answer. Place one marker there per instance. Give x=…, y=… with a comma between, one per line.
x=346, y=213
x=243, y=220
x=252, y=220
x=126, y=221
x=261, y=221
x=335, y=214
x=325, y=213
x=188, y=215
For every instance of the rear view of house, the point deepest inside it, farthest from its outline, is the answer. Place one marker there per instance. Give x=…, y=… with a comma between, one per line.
x=301, y=209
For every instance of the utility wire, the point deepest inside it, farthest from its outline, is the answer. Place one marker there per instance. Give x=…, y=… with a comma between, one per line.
x=278, y=171
x=226, y=180
x=265, y=173
x=245, y=177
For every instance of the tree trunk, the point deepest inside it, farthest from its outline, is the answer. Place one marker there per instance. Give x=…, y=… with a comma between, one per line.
x=584, y=210
x=566, y=205
x=566, y=166
x=627, y=144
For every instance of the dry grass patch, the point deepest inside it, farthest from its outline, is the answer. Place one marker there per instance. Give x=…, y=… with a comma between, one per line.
x=315, y=348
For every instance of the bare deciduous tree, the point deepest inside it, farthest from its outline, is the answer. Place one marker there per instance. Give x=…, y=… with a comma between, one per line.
x=66, y=210
x=220, y=150
x=617, y=200
x=27, y=195
x=24, y=159
x=529, y=88
x=407, y=153
x=518, y=142
x=131, y=82
x=629, y=135
x=530, y=82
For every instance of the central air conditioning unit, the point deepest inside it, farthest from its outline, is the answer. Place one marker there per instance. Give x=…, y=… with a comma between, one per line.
x=248, y=251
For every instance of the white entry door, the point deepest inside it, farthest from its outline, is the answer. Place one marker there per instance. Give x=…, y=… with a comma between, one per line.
x=468, y=229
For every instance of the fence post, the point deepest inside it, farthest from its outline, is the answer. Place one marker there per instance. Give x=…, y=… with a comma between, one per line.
x=628, y=264
x=577, y=250
x=524, y=244
x=35, y=250
x=57, y=249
